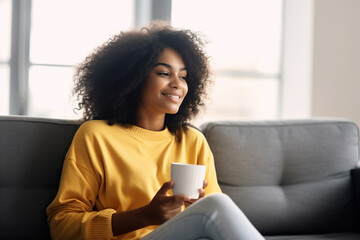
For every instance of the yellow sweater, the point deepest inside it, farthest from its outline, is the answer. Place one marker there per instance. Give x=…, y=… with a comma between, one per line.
x=113, y=168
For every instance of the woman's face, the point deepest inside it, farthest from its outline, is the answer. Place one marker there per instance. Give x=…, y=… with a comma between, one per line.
x=165, y=88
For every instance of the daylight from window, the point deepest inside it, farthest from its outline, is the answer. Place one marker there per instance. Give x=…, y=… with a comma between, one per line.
x=5, y=31
x=244, y=44
x=59, y=43
x=245, y=49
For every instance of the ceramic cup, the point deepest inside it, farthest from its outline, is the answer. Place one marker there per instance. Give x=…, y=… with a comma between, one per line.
x=188, y=178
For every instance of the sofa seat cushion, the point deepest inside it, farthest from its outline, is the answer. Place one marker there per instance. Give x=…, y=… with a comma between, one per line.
x=332, y=236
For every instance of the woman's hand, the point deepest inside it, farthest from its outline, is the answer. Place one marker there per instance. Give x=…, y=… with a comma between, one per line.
x=201, y=195
x=163, y=207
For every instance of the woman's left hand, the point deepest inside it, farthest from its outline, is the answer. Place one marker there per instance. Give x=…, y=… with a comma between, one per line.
x=201, y=195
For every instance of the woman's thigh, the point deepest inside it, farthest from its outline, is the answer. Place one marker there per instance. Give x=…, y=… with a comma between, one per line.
x=214, y=217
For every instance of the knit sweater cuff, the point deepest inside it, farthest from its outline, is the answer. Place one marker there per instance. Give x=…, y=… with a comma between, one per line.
x=101, y=227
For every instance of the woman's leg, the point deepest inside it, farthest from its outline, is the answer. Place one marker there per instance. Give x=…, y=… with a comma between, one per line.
x=215, y=217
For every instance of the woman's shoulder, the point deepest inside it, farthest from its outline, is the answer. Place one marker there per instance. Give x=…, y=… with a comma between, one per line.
x=94, y=127
x=194, y=133
x=195, y=139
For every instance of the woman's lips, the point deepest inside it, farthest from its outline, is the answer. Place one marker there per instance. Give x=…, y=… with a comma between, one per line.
x=175, y=98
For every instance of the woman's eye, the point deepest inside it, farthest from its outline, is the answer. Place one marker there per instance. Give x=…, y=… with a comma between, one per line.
x=183, y=77
x=163, y=74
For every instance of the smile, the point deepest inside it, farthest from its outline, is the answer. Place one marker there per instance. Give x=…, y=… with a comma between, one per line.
x=172, y=96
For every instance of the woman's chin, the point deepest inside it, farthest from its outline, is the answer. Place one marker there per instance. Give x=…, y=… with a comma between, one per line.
x=173, y=111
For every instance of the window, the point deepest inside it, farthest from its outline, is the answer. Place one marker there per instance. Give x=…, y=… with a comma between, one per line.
x=5, y=32
x=245, y=49
x=244, y=46
x=63, y=33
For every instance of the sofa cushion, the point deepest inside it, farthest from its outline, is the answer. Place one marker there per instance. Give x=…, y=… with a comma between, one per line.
x=32, y=151
x=23, y=213
x=288, y=177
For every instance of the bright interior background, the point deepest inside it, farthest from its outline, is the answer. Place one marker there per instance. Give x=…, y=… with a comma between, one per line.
x=245, y=59
x=58, y=43
x=272, y=59
x=245, y=48
x=5, y=33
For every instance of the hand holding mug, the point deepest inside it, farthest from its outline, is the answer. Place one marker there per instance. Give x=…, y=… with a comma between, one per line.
x=163, y=207
x=201, y=195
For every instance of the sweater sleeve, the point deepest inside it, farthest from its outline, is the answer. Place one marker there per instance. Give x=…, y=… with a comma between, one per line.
x=71, y=214
x=211, y=178
x=206, y=157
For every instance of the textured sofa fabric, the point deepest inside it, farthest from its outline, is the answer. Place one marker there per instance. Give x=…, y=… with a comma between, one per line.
x=290, y=177
x=31, y=154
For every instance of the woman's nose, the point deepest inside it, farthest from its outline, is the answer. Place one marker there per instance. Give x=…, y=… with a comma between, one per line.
x=175, y=82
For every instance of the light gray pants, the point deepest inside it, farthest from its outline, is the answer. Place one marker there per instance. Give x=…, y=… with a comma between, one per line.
x=214, y=217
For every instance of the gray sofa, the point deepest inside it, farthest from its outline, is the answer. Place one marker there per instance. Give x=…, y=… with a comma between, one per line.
x=293, y=179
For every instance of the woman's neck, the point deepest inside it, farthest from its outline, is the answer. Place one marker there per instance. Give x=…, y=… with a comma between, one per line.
x=154, y=123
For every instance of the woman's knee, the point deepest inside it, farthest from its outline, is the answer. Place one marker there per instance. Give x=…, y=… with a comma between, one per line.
x=218, y=199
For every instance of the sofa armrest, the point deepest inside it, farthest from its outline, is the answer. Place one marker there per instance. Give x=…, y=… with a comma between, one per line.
x=355, y=176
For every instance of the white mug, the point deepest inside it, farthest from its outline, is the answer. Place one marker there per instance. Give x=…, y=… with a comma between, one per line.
x=188, y=179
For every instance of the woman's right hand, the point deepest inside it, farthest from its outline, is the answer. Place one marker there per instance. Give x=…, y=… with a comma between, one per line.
x=163, y=207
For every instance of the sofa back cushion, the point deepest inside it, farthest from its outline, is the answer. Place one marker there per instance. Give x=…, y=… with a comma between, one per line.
x=32, y=151
x=288, y=177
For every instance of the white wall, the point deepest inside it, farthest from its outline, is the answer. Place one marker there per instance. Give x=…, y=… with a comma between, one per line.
x=297, y=59
x=336, y=59
x=321, y=60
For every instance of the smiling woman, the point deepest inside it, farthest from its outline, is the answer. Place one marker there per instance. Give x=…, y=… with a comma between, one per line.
x=163, y=91
x=156, y=54
x=139, y=91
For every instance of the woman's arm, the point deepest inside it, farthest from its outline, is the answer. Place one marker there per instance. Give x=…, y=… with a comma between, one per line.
x=71, y=214
x=161, y=208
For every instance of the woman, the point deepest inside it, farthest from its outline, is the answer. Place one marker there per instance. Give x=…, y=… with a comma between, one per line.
x=138, y=92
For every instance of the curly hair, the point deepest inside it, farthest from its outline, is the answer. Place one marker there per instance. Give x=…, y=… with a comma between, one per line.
x=108, y=82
